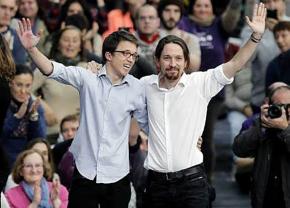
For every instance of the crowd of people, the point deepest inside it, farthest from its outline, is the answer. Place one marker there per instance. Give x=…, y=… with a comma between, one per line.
x=102, y=100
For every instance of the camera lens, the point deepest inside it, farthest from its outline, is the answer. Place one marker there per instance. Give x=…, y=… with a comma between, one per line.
x=274, y=111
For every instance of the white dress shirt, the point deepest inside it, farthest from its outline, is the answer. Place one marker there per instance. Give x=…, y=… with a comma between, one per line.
x=177, y=118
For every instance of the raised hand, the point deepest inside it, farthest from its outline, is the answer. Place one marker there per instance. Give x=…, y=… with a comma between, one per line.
x=258, y=20
x=35, y=105
x=36, y=197
x=94, y=67
x=25, y=34
x=22, y=110
x=55, y=191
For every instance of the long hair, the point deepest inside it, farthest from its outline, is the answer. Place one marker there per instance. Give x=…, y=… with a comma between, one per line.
x=7, y=65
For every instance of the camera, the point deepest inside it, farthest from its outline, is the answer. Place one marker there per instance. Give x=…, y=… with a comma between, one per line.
x=275, y=110
x=272, y=14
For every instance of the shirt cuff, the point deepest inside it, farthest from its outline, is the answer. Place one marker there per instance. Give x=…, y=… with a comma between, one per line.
x=55, y=69
x=221, y=77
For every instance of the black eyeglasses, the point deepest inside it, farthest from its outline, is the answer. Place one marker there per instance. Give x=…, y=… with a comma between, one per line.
x=128, y=54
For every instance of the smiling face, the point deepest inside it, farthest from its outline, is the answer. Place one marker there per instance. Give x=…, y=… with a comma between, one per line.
x=171, y=62
x=32, y=168
x=118, y=64
x=70, y=43
x=20, y=87
x=202, y=10
x=28, y=8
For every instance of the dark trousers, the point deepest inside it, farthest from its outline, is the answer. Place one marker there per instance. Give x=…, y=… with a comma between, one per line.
x=208, y=147
x=187, y=192
x=87, y=193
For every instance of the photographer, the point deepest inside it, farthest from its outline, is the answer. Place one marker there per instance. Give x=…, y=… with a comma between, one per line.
x=268, y=141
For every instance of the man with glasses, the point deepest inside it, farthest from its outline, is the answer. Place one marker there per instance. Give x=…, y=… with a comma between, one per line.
x=268, y=141
x=108, y=100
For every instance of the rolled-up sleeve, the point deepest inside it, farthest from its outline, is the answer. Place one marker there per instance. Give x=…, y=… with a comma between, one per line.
x=221, y=77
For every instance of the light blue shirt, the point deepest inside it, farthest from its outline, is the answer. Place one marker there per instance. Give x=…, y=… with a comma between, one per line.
x=100, y=147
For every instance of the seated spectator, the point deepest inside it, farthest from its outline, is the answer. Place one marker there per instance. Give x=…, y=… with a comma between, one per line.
x=43, y=147
x=278, y=69
x=31, y=172
x=63, y=159
x=24, y=119
x=68, y=128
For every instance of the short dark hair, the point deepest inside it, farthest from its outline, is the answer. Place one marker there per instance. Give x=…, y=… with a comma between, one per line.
x=112, y=41
x=283, y=25
x=176, y=40
x=23, y=69
x=78, y=20
x=192, y=3
x=73, y=118
x=165, y=3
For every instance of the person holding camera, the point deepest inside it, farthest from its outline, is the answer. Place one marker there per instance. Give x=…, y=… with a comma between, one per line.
x=268, y=141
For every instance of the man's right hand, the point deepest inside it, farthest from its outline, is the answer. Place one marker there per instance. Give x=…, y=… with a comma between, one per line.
x=25, y=34
x=94, y=67
x=276, y=123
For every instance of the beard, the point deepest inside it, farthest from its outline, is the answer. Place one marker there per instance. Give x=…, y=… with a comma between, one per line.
x=169, y=24
x=172, y=74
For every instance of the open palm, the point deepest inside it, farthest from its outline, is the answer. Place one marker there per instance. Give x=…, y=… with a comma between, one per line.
x=25, y=34
x=258, y=20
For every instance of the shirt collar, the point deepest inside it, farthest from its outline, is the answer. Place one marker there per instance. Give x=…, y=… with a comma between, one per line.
x=103, y=72
x=182, y=82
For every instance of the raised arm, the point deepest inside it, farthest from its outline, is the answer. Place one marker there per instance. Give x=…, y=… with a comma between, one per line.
x=29, y=42
x=257, y=24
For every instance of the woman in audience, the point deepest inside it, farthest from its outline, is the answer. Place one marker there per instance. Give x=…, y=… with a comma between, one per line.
x=31, y=173
x=91, y=39
x=44, y=148
x=24, y=118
